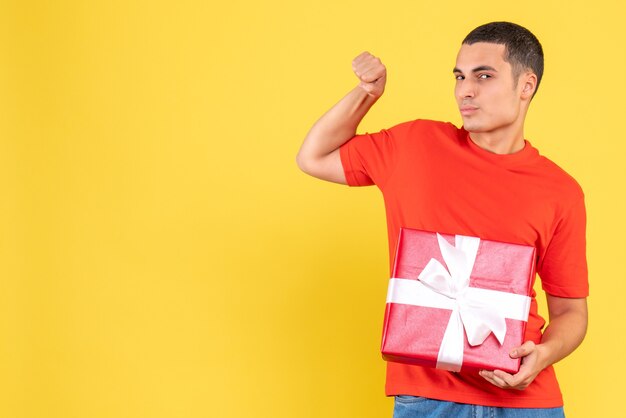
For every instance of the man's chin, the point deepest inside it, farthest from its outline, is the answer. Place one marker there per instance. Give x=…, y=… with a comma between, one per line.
x=473, y=127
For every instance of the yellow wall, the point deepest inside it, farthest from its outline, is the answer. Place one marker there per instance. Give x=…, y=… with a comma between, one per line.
x=161, y=255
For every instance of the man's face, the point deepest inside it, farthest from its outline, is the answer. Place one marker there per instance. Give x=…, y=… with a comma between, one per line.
x=485, y=91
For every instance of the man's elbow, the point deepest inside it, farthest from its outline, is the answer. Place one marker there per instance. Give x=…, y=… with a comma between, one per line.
x=585, y=324
x=303, y=163
x=309, y=164
x=326, y=168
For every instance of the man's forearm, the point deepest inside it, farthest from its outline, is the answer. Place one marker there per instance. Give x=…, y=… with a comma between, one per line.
x=564, y=333
x=336, y=126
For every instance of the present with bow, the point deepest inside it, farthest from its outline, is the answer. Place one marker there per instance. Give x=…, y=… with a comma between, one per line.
x=456, y=302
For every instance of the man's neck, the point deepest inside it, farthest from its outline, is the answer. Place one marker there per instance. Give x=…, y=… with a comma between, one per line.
x=499, y=142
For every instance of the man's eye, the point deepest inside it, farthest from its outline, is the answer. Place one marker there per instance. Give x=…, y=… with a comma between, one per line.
x=484, y=76
x=459, y=77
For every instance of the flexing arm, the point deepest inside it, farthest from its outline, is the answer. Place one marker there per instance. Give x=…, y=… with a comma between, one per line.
x=319, y=153
x=565, y=332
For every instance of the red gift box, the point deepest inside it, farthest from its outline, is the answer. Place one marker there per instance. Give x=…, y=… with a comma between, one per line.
x=457, y=302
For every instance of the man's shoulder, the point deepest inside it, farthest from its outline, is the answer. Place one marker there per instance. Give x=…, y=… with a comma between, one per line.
x=425, y=128
x=426, y=124
x=562, y=181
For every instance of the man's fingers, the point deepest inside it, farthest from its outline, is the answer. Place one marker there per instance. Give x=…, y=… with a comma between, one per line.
x=488, y=376
x=526, y=374
x=493, y=379
x=523, y=350
x=368, y=68
x=510, y=380
x=505, y=380
x=363, y=57
x=358, y=64
x=372, y=75
x=370, y=72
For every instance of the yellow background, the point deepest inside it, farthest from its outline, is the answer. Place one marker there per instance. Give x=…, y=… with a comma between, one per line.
x=161, y=255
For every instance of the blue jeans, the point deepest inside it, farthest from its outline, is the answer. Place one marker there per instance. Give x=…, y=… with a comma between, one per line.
x=417, y=407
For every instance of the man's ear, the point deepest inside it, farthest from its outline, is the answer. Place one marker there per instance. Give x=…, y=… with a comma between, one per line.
x=529, y=85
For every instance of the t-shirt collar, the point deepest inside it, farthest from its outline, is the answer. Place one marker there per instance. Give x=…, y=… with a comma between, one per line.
x=524, y=156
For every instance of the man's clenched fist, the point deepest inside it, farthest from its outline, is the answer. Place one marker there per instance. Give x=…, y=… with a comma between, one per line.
x=372, y=73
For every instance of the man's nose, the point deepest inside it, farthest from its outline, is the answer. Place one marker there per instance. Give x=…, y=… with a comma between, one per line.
x=466, y=89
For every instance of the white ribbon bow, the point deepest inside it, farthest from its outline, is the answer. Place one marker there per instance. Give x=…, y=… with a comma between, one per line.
x=478, y=311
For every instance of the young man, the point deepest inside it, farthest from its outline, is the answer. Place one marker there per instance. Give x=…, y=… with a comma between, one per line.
x=483, y=179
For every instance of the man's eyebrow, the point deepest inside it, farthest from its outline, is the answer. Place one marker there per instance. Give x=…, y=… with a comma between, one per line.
x=477, y=69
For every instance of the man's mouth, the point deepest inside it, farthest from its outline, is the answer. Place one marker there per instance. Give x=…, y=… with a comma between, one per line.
x=468, y=110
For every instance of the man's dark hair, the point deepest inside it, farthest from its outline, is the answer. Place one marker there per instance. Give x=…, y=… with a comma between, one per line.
x=522, y=49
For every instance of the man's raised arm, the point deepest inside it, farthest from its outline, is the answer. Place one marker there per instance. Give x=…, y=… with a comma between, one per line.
x=319, y=153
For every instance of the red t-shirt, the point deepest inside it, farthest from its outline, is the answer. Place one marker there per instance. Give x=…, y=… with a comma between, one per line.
x=435, y=178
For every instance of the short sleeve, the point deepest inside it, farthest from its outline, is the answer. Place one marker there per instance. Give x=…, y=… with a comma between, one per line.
x=369, y=159
x=563, y=270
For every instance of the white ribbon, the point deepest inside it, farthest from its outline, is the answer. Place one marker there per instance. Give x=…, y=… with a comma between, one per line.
x=478, y=311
